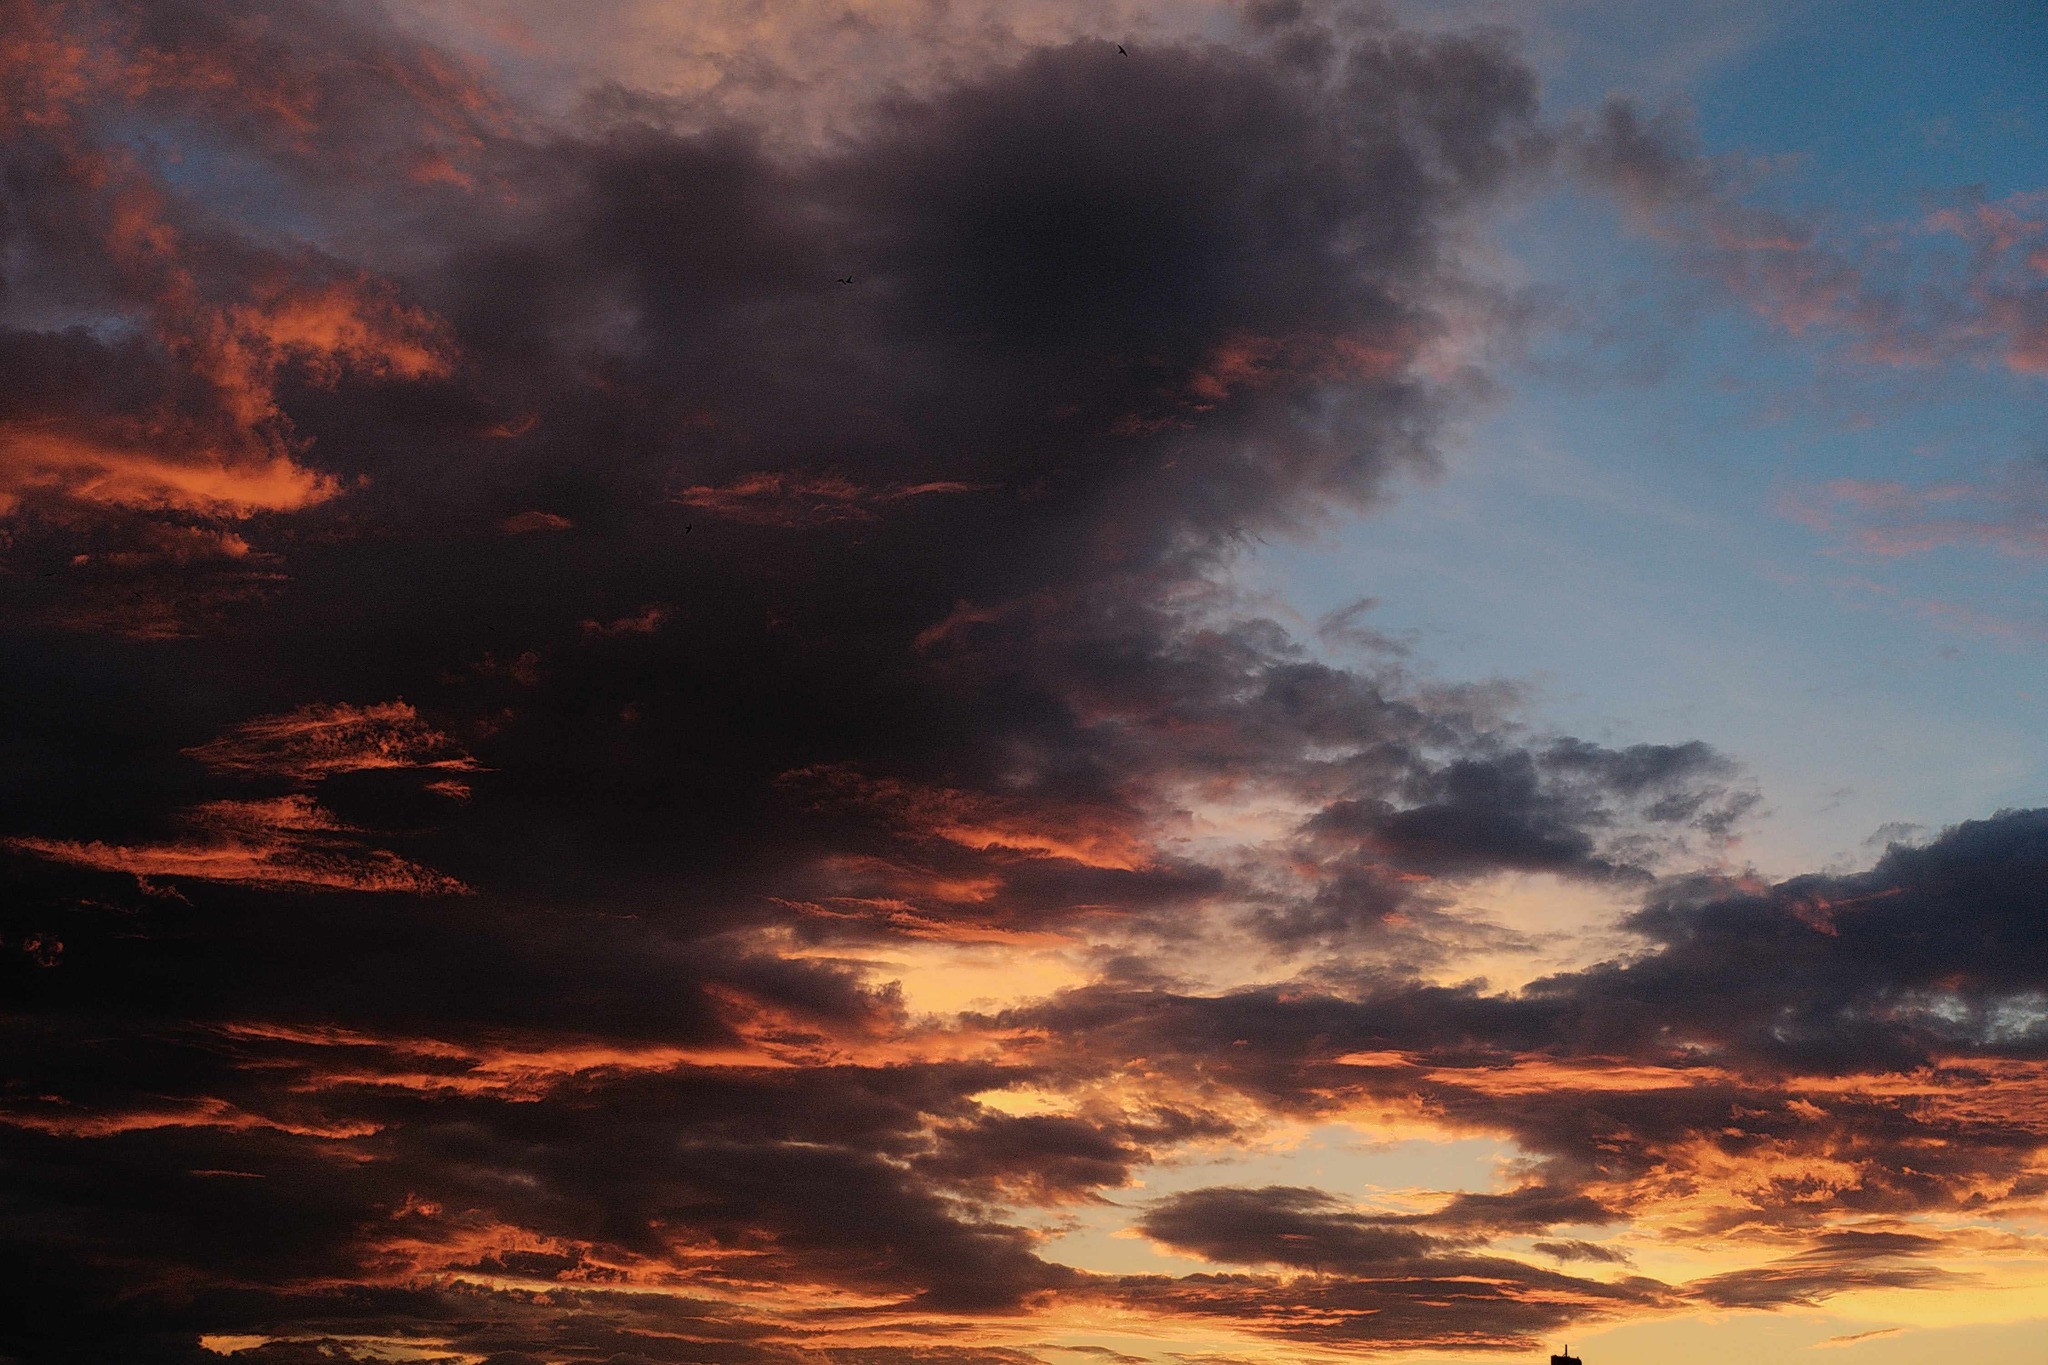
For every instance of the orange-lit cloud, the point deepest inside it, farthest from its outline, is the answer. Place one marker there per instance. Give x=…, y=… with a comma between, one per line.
x=238, y=454
x=43, y=459
x=643, y=622
x=326, y=331
x=315, y=741
x=290, y=842
x=287, y=843
x=525, y=523
x=206, y=1112
x=1093, y=836
x=775, y=499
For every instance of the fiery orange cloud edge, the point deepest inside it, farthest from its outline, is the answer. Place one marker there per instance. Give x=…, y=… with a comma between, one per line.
x=1742, y=1201
x=1731, y=1195
x=248, y=464
x=451, y=1247
x=291, y=842
x=241, y=458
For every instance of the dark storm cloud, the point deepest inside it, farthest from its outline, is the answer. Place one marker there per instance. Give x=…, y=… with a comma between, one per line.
x=1934, y=951
x=1242, y=307
x=781, y=1179
x=1385, y=1279
x=1535, y=811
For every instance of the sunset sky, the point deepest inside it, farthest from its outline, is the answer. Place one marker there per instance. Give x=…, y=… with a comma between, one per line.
x=1023, y=682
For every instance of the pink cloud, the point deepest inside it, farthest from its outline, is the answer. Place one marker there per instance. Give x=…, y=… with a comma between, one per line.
x=1890, y=519
x=1890, y=292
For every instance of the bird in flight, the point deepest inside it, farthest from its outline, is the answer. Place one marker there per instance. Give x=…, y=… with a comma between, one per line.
x=846, y=279
x=1120, y=50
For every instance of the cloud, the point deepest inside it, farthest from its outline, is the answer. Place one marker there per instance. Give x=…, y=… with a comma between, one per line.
x=293, y=842
x=1534, y=812
x=321, y=740
x=2007, y=512
x=288, y=843
x=126, y=475
x=1282, y=1227
x=1575, y=1250
x=1841, y=1261
x=525, y=523
x=120, y=268
x=1961, y=283
x=773, y=499
x=1849, y=973
x=1781, y=1060
x=1836, y=1343
x=1480, y=1303
x=775, y=655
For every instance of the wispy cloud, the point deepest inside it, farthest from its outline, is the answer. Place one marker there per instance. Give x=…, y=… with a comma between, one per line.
x=1967, y=282
x=2007, y=512
x=1836, y=1343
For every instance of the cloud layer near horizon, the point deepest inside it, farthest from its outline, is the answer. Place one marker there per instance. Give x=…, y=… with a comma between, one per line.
x=539, y=648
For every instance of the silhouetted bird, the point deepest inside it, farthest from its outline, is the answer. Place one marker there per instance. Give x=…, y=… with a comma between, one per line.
x=846, y=279
x=1120, y=50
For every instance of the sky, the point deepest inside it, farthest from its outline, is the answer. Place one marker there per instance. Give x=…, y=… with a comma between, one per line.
x=866, y=682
